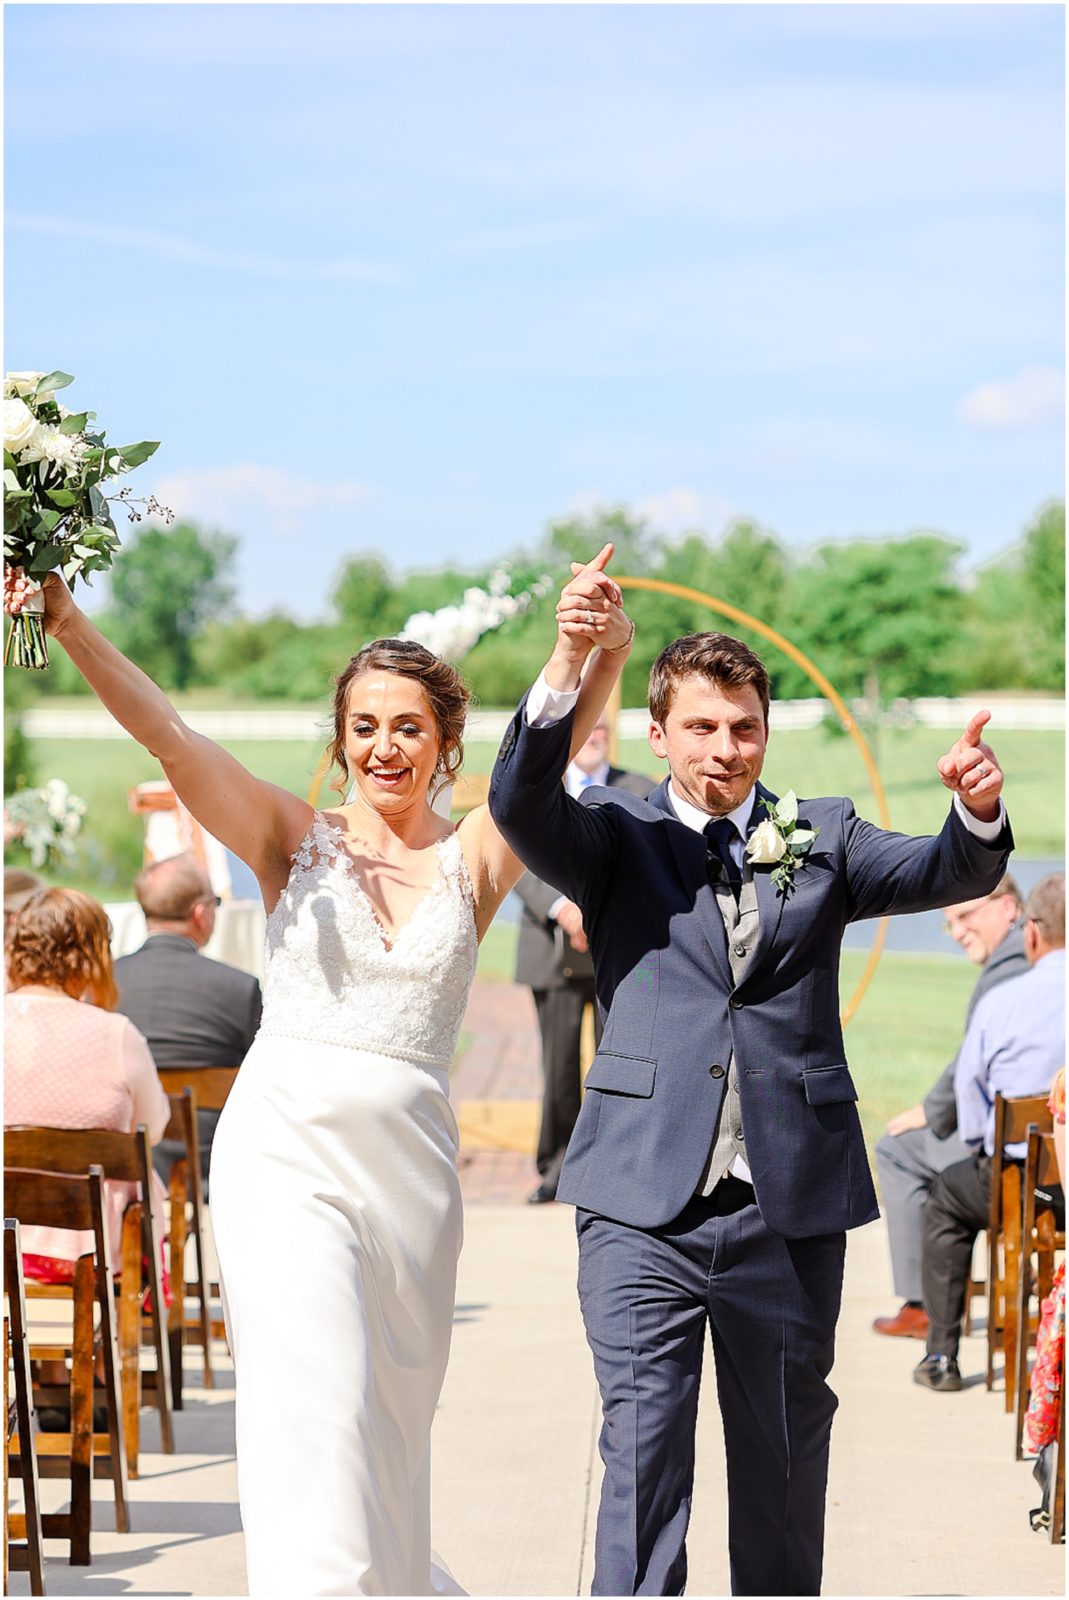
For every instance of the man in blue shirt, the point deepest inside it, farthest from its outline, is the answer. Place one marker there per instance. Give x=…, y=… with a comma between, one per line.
x=1015, y=1044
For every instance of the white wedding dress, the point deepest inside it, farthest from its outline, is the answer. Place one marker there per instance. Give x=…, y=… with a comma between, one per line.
x=337, y=1219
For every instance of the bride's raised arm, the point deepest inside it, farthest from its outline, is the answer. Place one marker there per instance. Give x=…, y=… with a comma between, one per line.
x=259, y=821
x=594, y=636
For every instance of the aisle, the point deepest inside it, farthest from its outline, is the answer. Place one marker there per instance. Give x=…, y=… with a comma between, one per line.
x=924, y=1497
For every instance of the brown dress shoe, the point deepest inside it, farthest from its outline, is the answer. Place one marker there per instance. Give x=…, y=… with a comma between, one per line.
x=911, y=1322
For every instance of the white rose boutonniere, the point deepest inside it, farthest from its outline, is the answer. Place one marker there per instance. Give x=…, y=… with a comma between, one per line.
x=779, y=842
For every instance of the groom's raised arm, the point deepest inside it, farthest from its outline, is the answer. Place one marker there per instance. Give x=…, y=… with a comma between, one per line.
x=568, y=845
x=891, y=873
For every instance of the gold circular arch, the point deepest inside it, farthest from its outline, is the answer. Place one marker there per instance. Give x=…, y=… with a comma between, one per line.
x=814, y=674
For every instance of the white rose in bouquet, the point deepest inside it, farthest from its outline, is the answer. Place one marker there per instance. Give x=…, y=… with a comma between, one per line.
x=766, y=845
x=20, y=425
x=21, y=382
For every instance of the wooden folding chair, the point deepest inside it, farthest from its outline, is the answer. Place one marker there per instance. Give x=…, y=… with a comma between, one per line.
x=73, y=1322
x=124, y=1157
x=1040, y=1239
x=211, y=1086
x=26, y=1555
x=185, y=1191
x=1012, y=1121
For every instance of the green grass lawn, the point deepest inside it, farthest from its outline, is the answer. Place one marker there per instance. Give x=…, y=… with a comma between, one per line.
x=906, y=1029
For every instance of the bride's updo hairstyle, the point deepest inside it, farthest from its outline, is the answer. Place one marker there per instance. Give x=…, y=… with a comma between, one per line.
x=447, y=695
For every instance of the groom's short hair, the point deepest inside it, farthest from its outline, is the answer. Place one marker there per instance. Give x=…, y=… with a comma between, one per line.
x=715, y=656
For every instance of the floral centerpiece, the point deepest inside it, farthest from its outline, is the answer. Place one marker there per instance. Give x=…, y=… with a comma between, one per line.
x=56, y=515
x=45, y=822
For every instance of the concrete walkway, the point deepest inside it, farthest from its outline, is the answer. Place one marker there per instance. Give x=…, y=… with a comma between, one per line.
x=924, y=1497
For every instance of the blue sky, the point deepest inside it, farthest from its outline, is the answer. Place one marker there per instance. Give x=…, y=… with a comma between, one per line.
x=417, y=279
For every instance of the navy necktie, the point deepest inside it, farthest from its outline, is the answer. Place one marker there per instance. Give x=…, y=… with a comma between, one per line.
x=719, y=832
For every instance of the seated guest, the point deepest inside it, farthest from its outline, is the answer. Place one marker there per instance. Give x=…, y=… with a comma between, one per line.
x=193, y=1011
x=70, y=1060
x=923, y=1141
x=18, y=887
x=1014, y=1044
x=1048, y=1372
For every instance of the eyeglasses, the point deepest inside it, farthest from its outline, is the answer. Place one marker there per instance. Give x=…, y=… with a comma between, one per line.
x=962, y=917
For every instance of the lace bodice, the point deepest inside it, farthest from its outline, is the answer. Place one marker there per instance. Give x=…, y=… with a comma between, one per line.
x=332, y=976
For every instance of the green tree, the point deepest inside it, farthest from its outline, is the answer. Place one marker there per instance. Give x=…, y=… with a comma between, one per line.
x=1015, y=628
x=166, y=584
x=365, y=600
x=890, y=607
x=1043, y=575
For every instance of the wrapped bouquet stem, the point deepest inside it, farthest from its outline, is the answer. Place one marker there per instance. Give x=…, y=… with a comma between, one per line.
x=57, y=517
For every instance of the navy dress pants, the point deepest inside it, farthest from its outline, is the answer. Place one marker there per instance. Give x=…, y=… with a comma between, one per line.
x=772, y=1305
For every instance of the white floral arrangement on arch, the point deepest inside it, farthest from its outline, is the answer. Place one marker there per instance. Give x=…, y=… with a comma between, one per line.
x=56, y=515
x=45, y=822
x=453, y=630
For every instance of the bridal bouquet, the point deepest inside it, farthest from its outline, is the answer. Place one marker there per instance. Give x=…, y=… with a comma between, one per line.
x=56, y=515
x=45, y=822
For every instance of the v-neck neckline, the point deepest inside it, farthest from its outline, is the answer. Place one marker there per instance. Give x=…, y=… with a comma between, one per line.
x=388, y=939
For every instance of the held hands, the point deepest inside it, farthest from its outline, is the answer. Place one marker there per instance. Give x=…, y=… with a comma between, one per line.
x=970, y=769
x=590, y=610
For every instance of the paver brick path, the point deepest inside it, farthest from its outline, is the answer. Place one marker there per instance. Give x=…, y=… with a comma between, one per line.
x=501, y=1064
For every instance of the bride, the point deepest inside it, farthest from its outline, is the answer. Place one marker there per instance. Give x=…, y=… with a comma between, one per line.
x=335, y=1199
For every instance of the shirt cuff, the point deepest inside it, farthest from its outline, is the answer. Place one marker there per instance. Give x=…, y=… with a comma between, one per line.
x=555, y=908
x=545, y=706
x=988, y=832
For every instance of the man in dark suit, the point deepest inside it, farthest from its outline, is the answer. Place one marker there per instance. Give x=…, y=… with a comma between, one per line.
x=718, y=1157
x=552, y=958
x=923, y=1141
x=193, y=1011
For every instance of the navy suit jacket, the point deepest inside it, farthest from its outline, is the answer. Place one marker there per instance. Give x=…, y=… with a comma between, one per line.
x=673, y=1013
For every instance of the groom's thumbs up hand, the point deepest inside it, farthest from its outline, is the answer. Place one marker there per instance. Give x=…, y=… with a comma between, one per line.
x=971, y=770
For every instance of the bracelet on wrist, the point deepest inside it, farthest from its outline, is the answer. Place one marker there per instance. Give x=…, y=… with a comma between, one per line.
x=627, y=642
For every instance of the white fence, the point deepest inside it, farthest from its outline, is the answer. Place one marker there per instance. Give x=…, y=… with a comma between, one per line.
x=1023, y=712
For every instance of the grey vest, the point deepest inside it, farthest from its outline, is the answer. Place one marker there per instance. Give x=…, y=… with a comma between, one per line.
x=742, y=925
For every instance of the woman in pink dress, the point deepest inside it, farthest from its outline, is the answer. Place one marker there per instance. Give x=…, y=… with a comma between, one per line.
x=71, y=1060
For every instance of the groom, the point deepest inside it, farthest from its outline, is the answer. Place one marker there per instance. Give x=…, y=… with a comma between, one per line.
x=718, y=1158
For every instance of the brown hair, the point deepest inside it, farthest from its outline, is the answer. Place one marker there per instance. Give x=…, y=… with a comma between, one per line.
x=167, y=891
x=714, y=656
x=447, y=695
x=61, y=938
x=1007, y=885
x=1045, y=907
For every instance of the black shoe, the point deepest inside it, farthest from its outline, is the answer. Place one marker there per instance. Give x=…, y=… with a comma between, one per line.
x=540, y=1196
x=57, y=1419
x=939, y=1372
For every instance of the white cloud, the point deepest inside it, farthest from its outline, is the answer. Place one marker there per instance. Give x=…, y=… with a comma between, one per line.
x=681, y=509
x=676, y=510
x=1034, y=395
x=250, y=498
x=171, y=247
